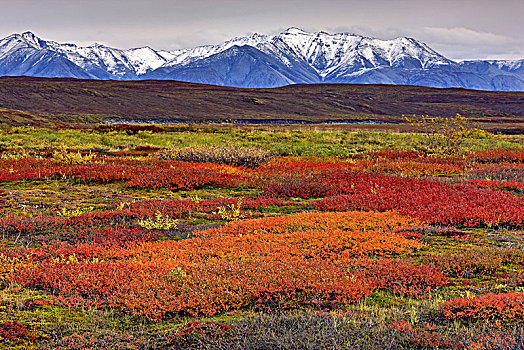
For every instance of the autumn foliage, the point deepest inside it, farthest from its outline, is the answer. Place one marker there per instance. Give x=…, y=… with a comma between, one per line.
x=272, y=263
x=507, y=307
x=268, y=235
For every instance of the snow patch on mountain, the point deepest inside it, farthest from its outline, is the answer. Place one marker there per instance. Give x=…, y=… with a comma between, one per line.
x=293, y=56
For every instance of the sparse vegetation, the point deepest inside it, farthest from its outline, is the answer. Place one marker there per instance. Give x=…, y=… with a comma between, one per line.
x=232, y=155
x=444, y=135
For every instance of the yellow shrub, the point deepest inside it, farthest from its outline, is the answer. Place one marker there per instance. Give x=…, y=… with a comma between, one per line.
x=66, y=157
x=444, y=136
x=230, y=212
x=73, y=212
x=159, y=222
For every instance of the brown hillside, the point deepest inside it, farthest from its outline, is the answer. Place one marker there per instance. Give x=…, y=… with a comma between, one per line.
x=73, y=101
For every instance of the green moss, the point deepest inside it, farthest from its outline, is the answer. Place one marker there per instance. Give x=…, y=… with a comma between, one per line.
x=383, y=299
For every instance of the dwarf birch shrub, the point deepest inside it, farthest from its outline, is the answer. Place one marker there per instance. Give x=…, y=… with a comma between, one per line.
x=232, y=155
x=444, y=136
x=64, y=156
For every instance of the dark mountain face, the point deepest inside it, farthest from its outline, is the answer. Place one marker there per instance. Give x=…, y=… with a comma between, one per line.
x=291, y=57
x=236, y=66
x=43, y=63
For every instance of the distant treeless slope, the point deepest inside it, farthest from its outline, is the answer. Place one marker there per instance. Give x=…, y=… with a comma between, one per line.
x=72, y=100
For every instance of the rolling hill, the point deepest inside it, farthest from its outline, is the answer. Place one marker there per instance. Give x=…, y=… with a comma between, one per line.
x=37, y=101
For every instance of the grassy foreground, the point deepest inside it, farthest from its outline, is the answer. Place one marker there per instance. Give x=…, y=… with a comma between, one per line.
x=318, y=141
x=195, y=237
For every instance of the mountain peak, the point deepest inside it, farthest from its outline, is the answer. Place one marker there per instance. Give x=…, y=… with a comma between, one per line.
x=32, y=39
x=294, y=30
x=29, y=34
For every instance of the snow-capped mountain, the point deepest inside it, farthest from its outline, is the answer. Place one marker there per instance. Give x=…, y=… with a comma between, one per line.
x=95, y=62
x=510, y=66
x=318, y=57
x=293, y=56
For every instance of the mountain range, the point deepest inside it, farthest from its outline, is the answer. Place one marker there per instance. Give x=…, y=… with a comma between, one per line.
x=291, y=57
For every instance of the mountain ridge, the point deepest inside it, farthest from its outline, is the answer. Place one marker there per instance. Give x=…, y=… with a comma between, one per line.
x=259, y=61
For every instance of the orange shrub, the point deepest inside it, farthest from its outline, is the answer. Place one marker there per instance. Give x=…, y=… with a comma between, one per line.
x=410, y=167
x=293, y=261
x=215, y=288
x=333, y=245
x=351, y=221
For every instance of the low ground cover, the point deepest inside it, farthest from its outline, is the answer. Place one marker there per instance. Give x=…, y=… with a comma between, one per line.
x=210, y=247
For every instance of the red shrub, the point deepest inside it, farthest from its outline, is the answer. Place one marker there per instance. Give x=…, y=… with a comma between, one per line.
x=506, y=307
x=498, y=155
x=403, y=277
x=431, y=201
x=14, y=332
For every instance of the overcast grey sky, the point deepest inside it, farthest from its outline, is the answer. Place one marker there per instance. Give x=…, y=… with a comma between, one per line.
x=459, y=29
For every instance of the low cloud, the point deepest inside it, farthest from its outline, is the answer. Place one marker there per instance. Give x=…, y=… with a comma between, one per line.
x=466, y=43
x=375, y=32
x=461, y=36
